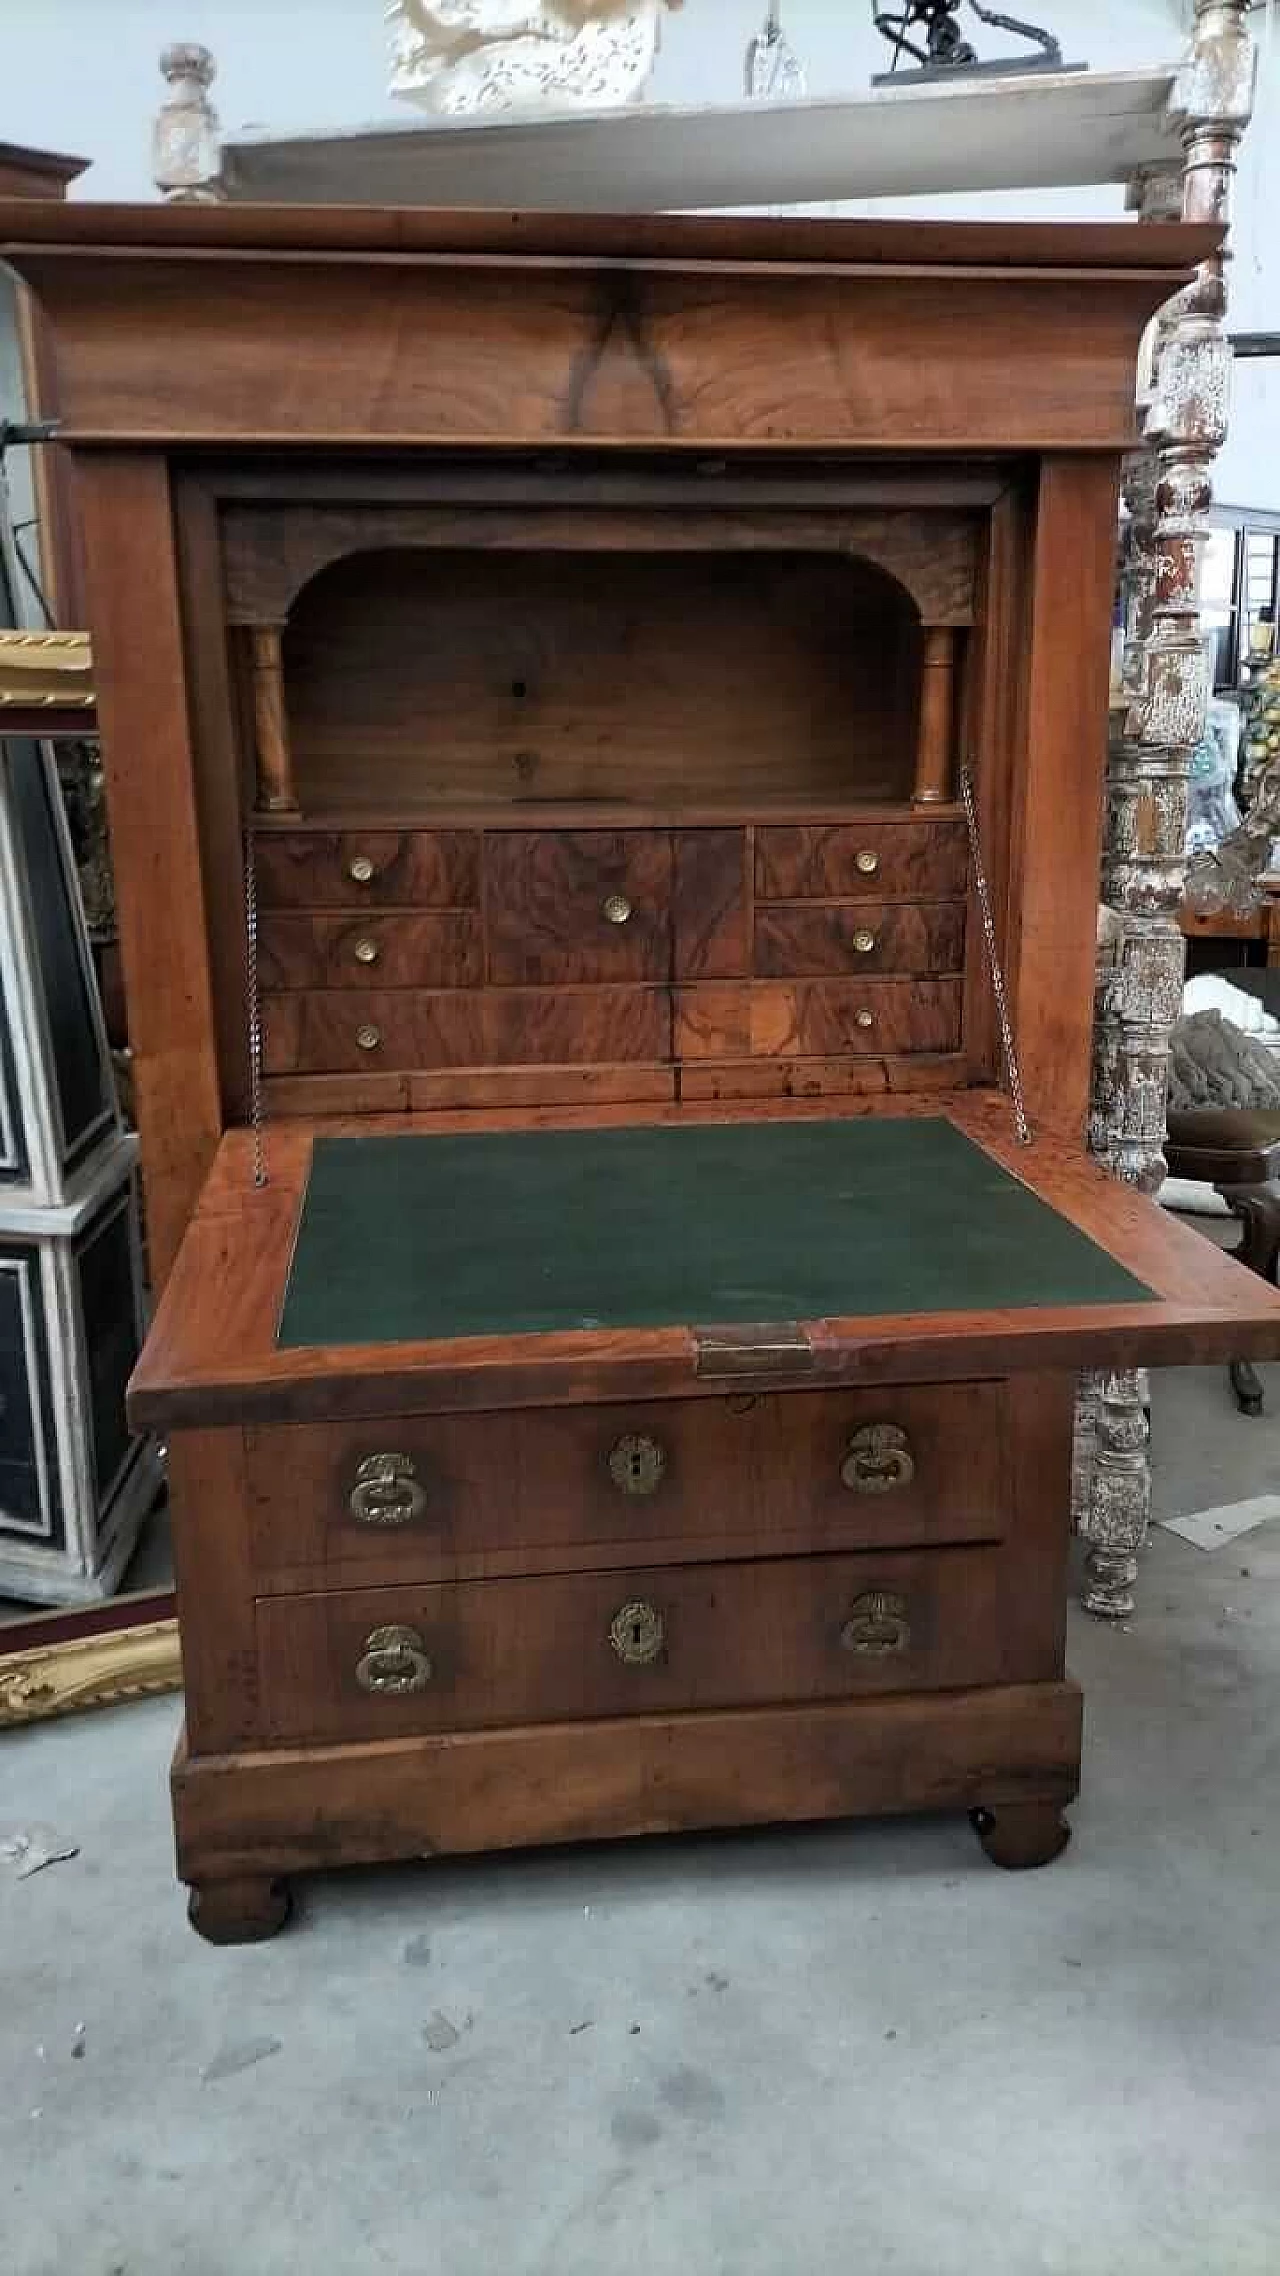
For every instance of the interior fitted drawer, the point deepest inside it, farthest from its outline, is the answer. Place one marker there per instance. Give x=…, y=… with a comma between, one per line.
x=578, y=905
x=453, y=1496
x=805, y=939
x=923, y=861
x=353, y=1031
x=816, y=1018
x=442, y=948
x=367, y=1663
x=318, y=869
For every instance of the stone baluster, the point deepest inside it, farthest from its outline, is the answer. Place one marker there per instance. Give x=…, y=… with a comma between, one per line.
x=185, y=148
x=1160, y=719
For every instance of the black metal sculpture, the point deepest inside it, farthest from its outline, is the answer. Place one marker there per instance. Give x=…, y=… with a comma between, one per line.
x=945, y=47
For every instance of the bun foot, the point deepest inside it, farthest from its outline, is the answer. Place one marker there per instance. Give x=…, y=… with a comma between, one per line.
x=1019, y=1834
x=241, y=1911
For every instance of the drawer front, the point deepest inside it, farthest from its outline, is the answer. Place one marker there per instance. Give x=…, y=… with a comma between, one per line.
x=386, y=1662
x=368, y=869
x=817, y=1018
x=463, y=1496
x=805, y=940
x=578, y=905
x=925, y=861
x=444, y=948
x=362, y=1032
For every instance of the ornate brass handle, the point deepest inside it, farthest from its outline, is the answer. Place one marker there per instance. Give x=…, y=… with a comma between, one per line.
x=366, y=951
x=863, y=941
x=615, y=909
x=368, y=1036
x=877, y=1625
x=394, y=1660
x=878, y=1459
x=387, y=1491
x=637, y=1465
x=867, y=861
x=360, y=869
x=638, y=1633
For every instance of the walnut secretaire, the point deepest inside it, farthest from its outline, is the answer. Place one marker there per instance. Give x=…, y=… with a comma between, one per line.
x=590, y=706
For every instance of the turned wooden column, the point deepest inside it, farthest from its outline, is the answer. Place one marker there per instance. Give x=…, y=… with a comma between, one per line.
x=937, y=715
x=270, y=725
x=1168, y=492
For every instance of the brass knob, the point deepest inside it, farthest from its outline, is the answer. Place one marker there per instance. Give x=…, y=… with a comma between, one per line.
x=368, y=1037
x=394, y=1660
x=864, y=942
x=877, y=1625
x=878, y=1459
x=867, y=861
x=864, y=1018
x=387, y=1491
x=637, y=1465
x=366, y=951
x=616, y=909
x=361, y=869
x=637, y=1633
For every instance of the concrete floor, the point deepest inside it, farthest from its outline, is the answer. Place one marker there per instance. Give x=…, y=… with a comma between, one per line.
x=769, y=2055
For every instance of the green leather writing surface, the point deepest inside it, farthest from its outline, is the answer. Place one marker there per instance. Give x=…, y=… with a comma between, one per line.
x=517, y=1232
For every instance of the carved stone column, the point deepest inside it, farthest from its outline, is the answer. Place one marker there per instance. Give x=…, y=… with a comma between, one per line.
x=1159, y=721
x=185, y=147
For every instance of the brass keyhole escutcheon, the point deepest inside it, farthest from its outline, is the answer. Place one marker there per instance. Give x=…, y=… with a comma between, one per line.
x=616, y=909
x=867, y=861
x=366, y=951
x=864, y=942
x=360, y=869
x=877, y=1625
x=395, y=1660
x=878, y=1459
x=387, y=1491
x=637, y=1465
x=637, y=1633
x=368, y=1037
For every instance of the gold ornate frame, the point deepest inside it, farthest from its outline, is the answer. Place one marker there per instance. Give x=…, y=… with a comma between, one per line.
x=54, y=1662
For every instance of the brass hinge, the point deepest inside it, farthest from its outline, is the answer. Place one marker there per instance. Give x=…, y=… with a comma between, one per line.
x=774, y=1347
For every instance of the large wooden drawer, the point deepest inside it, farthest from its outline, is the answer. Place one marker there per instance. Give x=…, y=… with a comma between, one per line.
x=368, y=1663
x=463, y=1496
x=843, y=861
x=568, y=906
x=360, y=1031
x=361, y=869
x=727, y=1019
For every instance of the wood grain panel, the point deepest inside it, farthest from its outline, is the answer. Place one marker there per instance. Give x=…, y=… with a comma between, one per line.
x=316, y=1033
x=441, y=949
x=799, y=941
x=846, y=1080
x=925, y=861
x=817, y=1018
x=448, y=1090
x=710, y=904
x=546, y=893
x=140, y=674
x=645, y=1774
x=533, y=1492
x=425, y=869
x=538, y=1650
x=426, y=678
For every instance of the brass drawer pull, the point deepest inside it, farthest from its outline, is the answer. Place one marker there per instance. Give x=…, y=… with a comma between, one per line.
x=867, y=861
x=637, y=1465
x=864, y=942
x=637, y=1633
x=360, y=869
x=877, y=1459
x=368, y=1036
x=366, y=951
x=394, y=1660
x=864, y=1018
x=615, y=909
x=387, y=1491
x=877, y=1625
